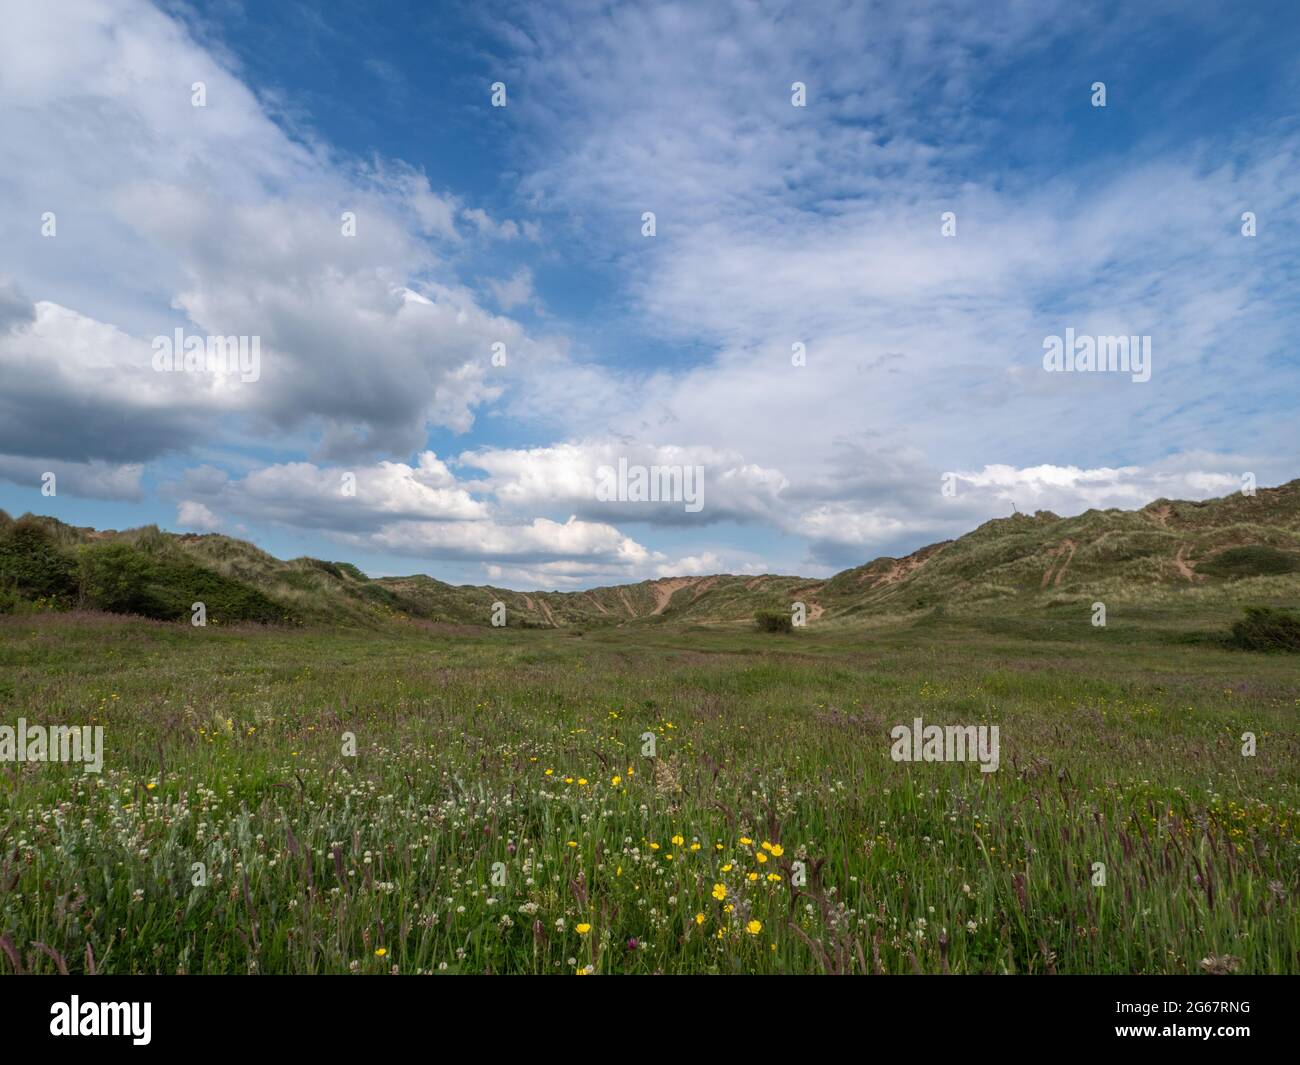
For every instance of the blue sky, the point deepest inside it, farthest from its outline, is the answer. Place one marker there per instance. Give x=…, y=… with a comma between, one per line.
x=522, y=225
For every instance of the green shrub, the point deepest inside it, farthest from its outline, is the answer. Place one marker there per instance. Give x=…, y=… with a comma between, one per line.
x=1266, y=629
x=774, y=621
x=116, y=577
x=1254, y=561
x=127, y=580
x=33, y=565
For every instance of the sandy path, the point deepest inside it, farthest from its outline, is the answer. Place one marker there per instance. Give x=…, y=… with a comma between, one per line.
x=664, y=592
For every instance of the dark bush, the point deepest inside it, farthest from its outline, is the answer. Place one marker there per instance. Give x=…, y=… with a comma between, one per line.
x=116, y=577
x=774, y=621
x=1266, y=629
x=126, y=580
x=1254, y=561
x=32, y=563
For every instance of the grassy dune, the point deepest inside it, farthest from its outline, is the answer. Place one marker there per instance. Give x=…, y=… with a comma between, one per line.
x=520, y=751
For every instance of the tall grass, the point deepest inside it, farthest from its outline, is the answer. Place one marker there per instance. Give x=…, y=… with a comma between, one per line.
x=500, y=815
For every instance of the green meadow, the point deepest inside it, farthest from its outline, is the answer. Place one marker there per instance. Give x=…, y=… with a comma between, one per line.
x=652, y=798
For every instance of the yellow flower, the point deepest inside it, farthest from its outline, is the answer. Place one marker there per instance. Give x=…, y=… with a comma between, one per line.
x=582, y=929
x=150, y=786
x=754, y=927
x=654, y=846
x=774, y=878
x=766, y=846
x=381, y=952
x=573, y=843
x=745, y=841
x=694, y=847
x=753, y=877
x=777, y=850
x=616, y=781
x=728, y=867
x=568, y=780
x=550, y=772
x=729, y=907
x=699, y=918
x=582, y=781
x=761, y=857
x=719, y=891
x=678, y=841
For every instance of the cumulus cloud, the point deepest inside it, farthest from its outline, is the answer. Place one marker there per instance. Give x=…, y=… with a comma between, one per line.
x=192, y=515
x=367, y=338
x=569, y=475
x=540, y=540
x=305, y=495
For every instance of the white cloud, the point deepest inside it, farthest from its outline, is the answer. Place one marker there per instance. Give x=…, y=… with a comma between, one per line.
x=367, y=340
x=516, y=291
x=304, y=495
x=540, y=540
x=192, y=515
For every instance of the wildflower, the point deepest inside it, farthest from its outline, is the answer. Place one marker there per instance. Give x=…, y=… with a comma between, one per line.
x=616, y=780
x=699, y=918
x=754, y=927
x=719, y=891
x=678, y=841
x=777, y=850
x=582, y=929
x=381, y=952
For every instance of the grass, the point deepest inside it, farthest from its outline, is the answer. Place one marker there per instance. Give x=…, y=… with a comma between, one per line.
x=499, y=814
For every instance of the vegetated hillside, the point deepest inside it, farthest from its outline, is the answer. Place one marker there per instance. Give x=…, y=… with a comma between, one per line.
x=1045, y=559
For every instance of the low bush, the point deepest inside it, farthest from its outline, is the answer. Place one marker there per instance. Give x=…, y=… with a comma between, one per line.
x=774, y=621
x=1254, y=561
x=32, y=564
x=1266, y=629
